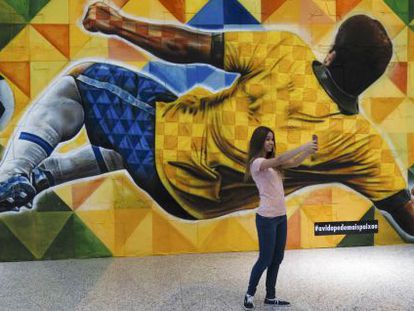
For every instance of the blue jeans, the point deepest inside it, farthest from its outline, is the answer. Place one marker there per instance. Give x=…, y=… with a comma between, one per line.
x=272, y=232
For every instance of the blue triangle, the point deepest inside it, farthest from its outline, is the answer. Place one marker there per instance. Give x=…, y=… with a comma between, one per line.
x=211, y=16
x=236, y=14
x=173, y=75
x=218, y=13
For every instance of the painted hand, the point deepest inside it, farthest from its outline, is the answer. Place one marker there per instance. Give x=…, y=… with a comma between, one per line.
x=100, y=17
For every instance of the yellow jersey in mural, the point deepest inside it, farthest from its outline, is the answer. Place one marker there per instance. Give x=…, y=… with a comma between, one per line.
x=202, y=137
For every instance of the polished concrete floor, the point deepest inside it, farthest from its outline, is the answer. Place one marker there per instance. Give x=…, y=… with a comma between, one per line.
x=363, y=278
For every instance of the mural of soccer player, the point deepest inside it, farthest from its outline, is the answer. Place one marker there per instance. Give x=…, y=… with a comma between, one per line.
x=188, y=151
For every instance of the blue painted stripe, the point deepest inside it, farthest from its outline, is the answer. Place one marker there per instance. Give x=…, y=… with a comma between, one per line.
x=100, y=159
x=125, y=96
x=38, y=141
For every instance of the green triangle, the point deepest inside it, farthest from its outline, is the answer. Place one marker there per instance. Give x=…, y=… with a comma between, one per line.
x=8, y=32
x=36, y=230
x=401, y=8
x=86, y=243
x=11, y=249
x=63, y=245
x=366, y=239
x=49, y=201
x=27, y=8
x=8, y=14
x=21, y=6
x=36, y=6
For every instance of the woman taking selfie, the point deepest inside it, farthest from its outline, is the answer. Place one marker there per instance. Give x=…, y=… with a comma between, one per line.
x=271, y=222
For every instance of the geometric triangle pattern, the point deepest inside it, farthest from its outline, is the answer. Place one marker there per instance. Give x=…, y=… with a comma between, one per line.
x=109, y=215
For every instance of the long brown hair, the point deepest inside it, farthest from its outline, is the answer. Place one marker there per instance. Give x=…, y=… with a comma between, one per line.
x=256, y=148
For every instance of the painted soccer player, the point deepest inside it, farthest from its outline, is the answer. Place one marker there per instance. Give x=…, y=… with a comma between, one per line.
x=189, y=152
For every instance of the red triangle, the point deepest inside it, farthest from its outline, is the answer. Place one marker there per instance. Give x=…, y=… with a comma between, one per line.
x=57, y=35
x=82, y=191
x=345, y=6
x=176, y=8
x=120, y=50
x=269, y=7
x=397, y=72
x=293, y=234
x=18, y=73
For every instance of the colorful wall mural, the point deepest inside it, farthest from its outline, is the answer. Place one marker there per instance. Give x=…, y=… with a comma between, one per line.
x=123, y=139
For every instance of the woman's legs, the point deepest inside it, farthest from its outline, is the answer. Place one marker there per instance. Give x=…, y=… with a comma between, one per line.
x=266, y=231
x=278, y=253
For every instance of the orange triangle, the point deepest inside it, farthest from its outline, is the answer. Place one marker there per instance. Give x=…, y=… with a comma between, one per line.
x=56, y=34
x=397, y=72
x=293, y=233
x=120, y=50
x=344, y=6
x=269, y=6
x=176, y=8
x=18, y=73
x=381, y=107
x=82, y=191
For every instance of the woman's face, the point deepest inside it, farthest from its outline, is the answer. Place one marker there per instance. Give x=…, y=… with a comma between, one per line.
x=269, y=143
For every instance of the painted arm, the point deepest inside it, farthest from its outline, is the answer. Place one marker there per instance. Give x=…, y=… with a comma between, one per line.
x=291, y=158
x=171, y=43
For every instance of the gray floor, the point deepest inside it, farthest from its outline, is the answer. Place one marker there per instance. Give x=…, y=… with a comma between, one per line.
x=367, y=278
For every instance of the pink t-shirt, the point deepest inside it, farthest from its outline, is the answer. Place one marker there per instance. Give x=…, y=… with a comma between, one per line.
x=270, y=186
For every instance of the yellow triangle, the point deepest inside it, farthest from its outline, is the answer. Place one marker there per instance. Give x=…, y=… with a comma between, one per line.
x=76, y=10
x=307, y=237
x=386, y=233
x=383, y=87
x=101, y=223
x=193, y=7
x=328, y=7
x=102, y=198
x=41, y=49
x=242, y=235
x=293, y=203
x=401, y=120
x=148, y=9
x=139, y=243
x=348, y=205
x=212, y=235
x=399, y=142
x=42, y=73
x=410, y=74
x=386, y=16
x=17, y=50
x=55, y=12
x=97, y=46
x=127, y=195
x=319, y=34
x=77, y=40
x=254, y=7
x=172, y=235
x=65, y=194
x=400, y=46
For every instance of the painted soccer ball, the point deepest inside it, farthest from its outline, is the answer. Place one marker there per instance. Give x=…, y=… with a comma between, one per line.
x=6, y=103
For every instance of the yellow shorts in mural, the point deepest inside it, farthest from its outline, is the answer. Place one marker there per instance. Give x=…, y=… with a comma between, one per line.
x=202, y=137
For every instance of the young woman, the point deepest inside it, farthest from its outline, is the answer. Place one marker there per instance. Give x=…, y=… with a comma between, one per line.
x=271, y=222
